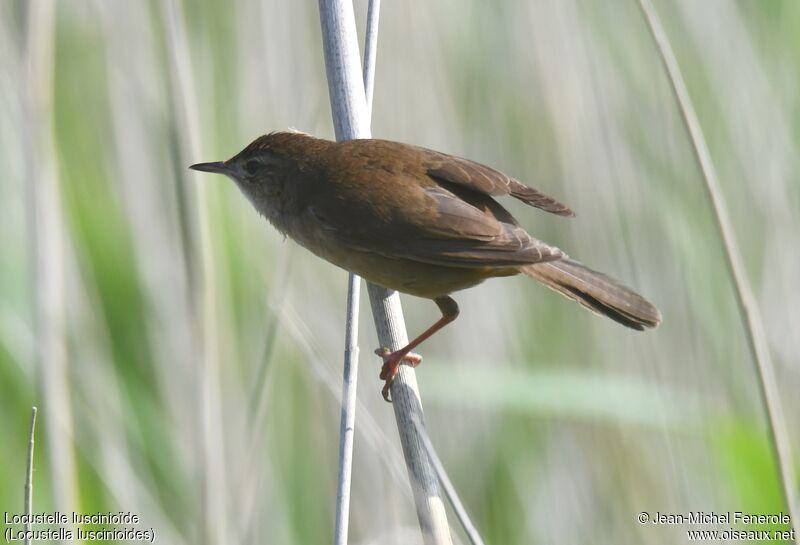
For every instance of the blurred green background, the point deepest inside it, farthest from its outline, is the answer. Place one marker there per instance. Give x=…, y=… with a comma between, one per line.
x=186, y=359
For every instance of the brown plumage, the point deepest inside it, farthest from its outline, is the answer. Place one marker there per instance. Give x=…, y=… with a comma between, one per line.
x=414, y=220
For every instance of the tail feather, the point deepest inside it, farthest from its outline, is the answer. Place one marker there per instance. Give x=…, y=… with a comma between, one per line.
x=596, y=291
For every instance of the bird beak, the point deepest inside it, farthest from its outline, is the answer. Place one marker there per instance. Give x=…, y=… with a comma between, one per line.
x=217, y=167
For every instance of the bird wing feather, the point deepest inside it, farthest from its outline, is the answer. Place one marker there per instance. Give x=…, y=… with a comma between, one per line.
x=488, y=181
x=438, y=224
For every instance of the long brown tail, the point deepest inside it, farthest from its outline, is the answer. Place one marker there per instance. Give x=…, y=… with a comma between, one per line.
x=596, y=291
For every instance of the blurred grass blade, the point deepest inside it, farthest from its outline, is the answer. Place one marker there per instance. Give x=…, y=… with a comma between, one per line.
x=48, y=233
x=570, y=394
x=745, y=298
x=184, y=97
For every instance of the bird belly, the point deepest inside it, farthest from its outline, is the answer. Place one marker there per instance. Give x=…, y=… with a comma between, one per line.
x=414, y=277
x=405, y=275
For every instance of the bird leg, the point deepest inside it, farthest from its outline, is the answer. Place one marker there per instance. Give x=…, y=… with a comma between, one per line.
x=392, y=360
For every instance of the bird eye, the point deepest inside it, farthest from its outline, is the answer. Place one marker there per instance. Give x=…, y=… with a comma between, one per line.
x=252, y=167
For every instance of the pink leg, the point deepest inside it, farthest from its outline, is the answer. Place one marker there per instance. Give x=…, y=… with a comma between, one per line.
x=392, y=360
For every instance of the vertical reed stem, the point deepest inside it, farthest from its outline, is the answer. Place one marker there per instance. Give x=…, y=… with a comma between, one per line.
x=348, y=104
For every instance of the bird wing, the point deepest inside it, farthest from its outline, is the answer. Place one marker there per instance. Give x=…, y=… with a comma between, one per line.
x=437, y=224
x=488, y=181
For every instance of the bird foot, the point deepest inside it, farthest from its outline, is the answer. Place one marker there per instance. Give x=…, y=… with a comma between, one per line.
x=391, y=366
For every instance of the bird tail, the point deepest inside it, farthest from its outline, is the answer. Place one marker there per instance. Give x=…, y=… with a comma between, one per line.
x=596, y=291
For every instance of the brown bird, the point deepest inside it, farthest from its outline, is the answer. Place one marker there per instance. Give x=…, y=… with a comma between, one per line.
x=414, y=220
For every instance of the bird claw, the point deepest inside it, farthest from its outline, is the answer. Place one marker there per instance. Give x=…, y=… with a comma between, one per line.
x=391, y=366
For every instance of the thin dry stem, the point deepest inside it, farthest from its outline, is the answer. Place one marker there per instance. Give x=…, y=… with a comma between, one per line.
x=371, y=51
x=348, y=420
x=350, y=370
x=29, y=480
